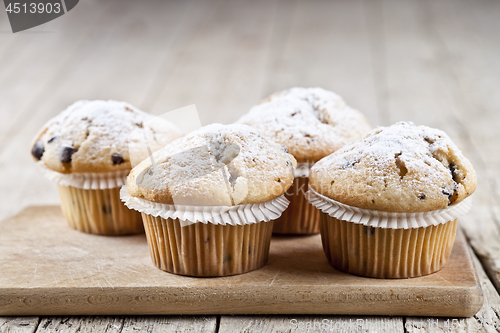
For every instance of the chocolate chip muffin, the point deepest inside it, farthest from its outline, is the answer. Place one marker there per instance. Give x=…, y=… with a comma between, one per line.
x=311, y=123
x=85, y=149
x=209, y=199
x=390, y=201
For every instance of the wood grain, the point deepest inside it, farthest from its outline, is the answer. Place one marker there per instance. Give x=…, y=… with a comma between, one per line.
x=428, y=85
x=81, y=324
x=68, y=272
x=486, y=320
x=87, y=66
x=18, y=324
x=156, y=324
x=275, y=324
x=435, y=62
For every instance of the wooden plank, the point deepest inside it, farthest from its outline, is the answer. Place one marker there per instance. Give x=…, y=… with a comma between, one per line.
x=272, y=324
x=137, y=53
x=18, y=324
x=81, y=324
x=374, y=21
x=425, y=88
x=116, y=324
x=69, y=273
x=220, y=64
x=188, y=324
x=128, y=324
x=486, y=320
x=483, y=233
x=328, y=46
x=33, y=61
x=469, y=33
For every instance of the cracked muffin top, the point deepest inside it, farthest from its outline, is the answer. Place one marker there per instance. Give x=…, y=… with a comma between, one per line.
x=401, y=168
x=92, y=136
x=311, y=122
x=217, y=165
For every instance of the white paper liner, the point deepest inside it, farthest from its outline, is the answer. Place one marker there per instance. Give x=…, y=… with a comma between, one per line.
x=223, y=215
x=303, y=169
x=87, y=180
x=381, y=219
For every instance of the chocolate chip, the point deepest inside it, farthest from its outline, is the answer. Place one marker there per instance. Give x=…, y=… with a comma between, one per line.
x=117, y=159
x=348, y=165
x=52, y=138
x=285, y=149
x=453, y=170
x=450, y=195
x=453, y=196
x=422, y=196
x=38, y=150
x=139, y=125
x=66, y=153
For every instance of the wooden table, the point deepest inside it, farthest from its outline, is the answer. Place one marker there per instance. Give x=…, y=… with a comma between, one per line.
x=432, y=62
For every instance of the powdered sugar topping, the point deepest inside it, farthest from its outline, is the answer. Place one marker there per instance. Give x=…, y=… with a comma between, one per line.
x=216, y=165
x=310, y=122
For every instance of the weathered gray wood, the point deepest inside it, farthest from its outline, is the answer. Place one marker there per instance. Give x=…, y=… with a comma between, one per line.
x=33, y=63
x=81, y=324
x=423, y=87
x=484, y=235
x=72, y=273
x=18, y=324
x=133, y=61
x=170, y=324
x=426, y=86
x=476, y=74
x=99, y=324
x=223, y=71
x=327, y=45
x=486, y=320
x=433, y=62
x=275, y=324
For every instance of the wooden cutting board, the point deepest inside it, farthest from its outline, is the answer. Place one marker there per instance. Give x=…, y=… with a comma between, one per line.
x=47, y=268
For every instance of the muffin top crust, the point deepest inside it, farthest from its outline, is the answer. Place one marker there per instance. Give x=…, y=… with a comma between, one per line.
x=93, y=136
x=311, y=122
x=401, y=168
x=217, y=165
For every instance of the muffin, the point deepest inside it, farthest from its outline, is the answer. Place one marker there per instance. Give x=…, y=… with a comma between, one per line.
x=311, y=123
x=208, y=200
x=390, y=202
x=85, y=150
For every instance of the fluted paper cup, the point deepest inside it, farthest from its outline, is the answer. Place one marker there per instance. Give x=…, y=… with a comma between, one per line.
x=207, y=241
x=91, y=203
x=301, y=217
x=380, y=244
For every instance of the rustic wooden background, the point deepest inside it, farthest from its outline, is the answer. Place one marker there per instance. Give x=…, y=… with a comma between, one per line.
x=433, y=62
